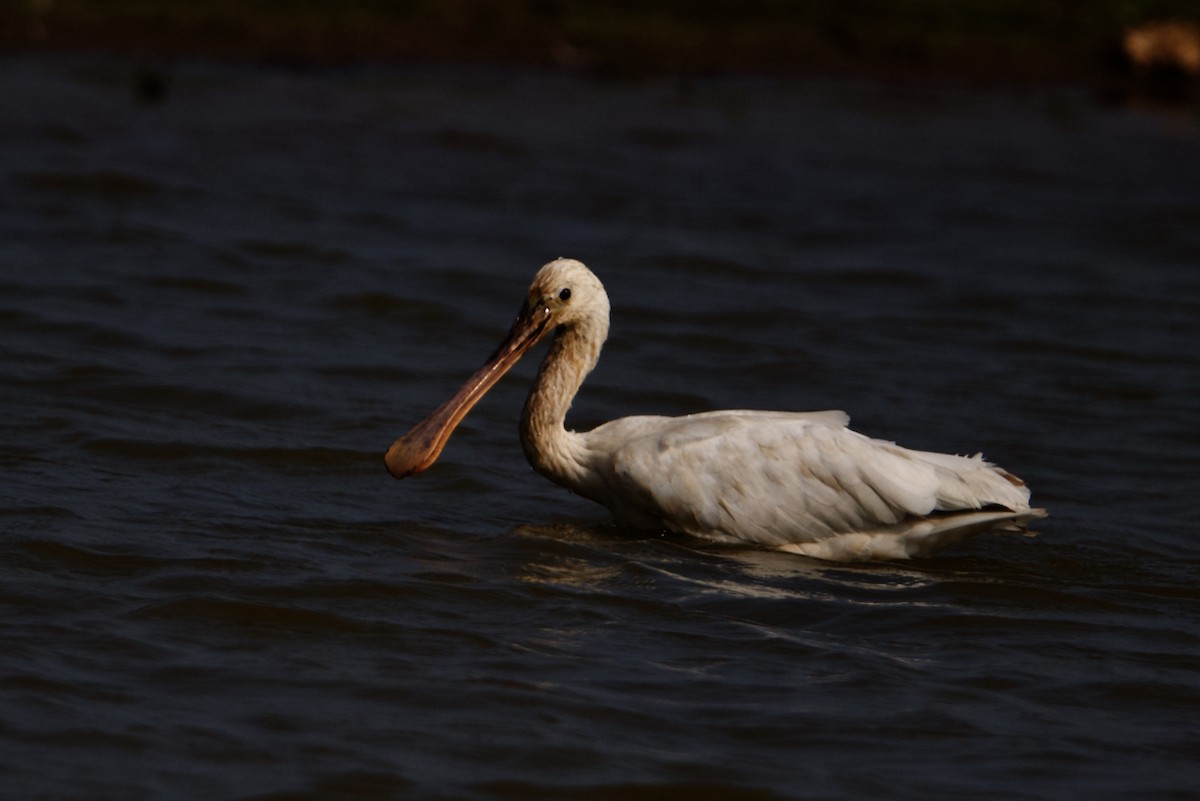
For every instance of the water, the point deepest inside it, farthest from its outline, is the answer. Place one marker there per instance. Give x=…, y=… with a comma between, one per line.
x=216, y=313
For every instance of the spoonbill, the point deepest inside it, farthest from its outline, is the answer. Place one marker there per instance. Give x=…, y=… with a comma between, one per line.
x=797, y=481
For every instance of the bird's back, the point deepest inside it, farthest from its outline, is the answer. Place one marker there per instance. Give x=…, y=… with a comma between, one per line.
x=802, y=482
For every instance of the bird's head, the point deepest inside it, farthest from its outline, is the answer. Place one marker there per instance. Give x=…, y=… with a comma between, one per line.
x=564, y=294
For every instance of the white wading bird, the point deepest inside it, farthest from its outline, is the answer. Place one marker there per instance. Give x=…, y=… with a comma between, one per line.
x=796, y=481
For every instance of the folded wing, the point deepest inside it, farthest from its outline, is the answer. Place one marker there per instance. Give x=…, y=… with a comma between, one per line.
x=779, y=479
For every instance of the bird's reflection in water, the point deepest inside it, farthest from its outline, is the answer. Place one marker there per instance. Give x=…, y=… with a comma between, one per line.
x=565, y=569
x=614, y=557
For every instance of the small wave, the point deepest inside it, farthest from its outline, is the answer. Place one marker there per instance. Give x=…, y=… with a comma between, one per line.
x=475, y=141
x=269, y=617
x=292, y=250
x=103, y=184
x=197, y=285
x=278, y=457
x=185, y=399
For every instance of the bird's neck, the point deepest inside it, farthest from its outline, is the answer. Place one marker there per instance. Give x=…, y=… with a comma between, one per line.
x=555, y=452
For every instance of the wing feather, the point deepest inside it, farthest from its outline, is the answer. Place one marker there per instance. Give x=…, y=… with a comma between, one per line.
x=775, y=478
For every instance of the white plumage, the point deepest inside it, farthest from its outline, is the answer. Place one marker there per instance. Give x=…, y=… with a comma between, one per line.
x=796, y=481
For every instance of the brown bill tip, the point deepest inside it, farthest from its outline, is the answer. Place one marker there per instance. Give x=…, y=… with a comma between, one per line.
x=411, y=454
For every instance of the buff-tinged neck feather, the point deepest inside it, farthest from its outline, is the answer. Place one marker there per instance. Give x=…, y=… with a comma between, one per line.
x=555, y=452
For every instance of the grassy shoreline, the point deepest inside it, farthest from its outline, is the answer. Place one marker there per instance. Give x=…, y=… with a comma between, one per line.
x=974, y=39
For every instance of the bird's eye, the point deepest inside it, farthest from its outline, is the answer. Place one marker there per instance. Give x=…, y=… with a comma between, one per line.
x=565, y=294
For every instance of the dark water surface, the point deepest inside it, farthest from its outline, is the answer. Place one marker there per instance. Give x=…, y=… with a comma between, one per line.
x=216, y=313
